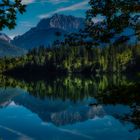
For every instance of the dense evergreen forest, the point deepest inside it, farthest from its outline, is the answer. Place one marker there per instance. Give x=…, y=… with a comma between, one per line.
x=75, y=59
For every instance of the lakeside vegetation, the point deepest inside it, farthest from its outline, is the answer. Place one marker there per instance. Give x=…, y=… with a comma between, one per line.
x=64, y=59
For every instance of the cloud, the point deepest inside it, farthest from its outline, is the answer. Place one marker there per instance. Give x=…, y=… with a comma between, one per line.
x=44, y=1
x=74, y=7
x=58, y=1
x=26, y=24
x=27, y=1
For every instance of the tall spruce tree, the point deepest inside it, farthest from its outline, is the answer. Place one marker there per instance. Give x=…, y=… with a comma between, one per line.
x=116, y=16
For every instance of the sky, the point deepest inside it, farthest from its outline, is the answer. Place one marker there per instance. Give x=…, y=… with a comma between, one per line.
x=38, y=9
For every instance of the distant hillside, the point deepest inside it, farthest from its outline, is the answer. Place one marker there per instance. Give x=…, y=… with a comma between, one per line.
x=4, y=37
x=7, y=49
x=45, y=32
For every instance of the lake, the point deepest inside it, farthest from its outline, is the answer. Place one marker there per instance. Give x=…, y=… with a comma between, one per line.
x=68, y=108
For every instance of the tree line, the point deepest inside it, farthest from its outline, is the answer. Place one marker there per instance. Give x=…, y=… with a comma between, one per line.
x=75, y=59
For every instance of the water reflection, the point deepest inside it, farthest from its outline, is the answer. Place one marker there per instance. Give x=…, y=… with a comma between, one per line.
x=73, y=88
x=70, y=108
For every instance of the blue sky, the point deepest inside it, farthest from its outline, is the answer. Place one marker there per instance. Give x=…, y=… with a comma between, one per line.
x=38, y=9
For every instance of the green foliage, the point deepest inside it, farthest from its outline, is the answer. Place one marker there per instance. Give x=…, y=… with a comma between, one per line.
x=8, y=12
x=116, y=16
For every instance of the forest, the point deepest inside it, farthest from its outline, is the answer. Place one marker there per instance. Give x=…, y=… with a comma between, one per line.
x=65, y=59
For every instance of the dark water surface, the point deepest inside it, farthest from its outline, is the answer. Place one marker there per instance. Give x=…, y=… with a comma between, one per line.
x=69, y=108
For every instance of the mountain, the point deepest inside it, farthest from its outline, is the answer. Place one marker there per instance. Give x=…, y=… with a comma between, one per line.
x=7, y=49
x=45, y=33
x=6, y=97
x=66, y=23
x=4, y=37
x=35, y=38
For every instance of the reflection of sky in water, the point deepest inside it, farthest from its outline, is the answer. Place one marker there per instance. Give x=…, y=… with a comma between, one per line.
x=21, y=122
x=17, y=122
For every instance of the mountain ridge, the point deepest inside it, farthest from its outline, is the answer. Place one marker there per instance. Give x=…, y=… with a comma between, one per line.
x=7, y=49
x=67, y=23
x=45, y=31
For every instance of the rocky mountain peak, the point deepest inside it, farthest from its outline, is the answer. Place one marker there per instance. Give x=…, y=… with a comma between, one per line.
x=67, y=23
x=4, y=37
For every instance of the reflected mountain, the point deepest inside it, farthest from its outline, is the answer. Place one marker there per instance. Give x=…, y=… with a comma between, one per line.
x=60, y=112
x=7, y=95
x=68, y=100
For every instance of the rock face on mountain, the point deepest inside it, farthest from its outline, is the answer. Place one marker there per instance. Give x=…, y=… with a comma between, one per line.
x=45, y=33
x=67, y=23
x=7, y=49
x=4, y=37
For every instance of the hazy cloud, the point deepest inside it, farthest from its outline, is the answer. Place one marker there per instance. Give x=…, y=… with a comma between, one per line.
x=57, y=1
x=44, y=1
x=26, y=24
x=28, y=1
x=74, y=7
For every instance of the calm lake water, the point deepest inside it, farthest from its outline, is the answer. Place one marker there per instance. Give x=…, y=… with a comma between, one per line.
x=69, y=108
